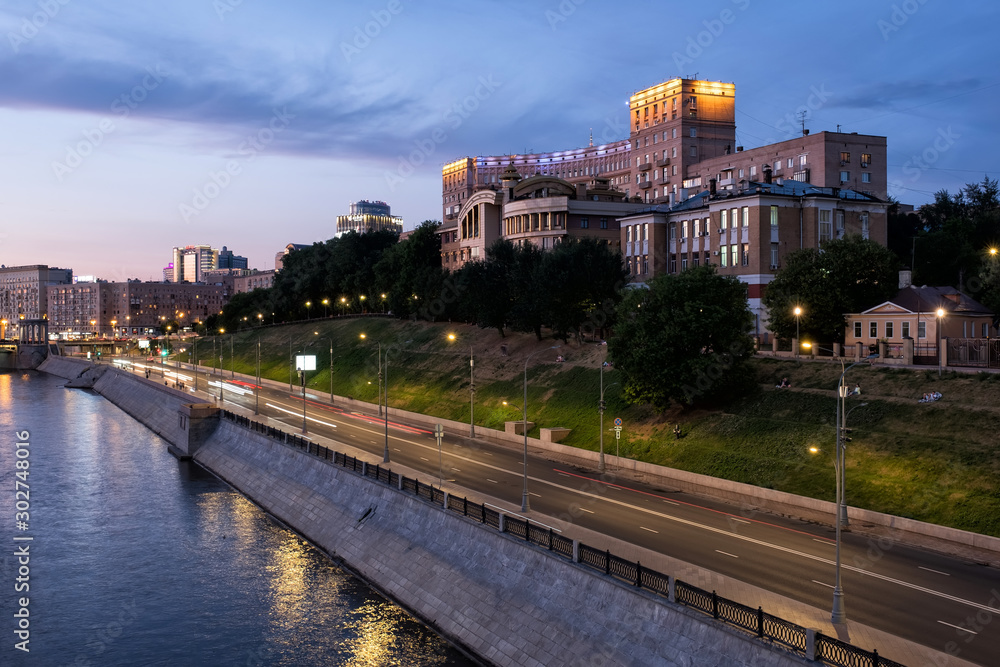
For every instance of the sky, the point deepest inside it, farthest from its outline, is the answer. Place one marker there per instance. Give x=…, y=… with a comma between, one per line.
x=129, y=128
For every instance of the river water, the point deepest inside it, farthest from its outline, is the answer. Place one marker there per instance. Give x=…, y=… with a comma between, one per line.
x=136, y=558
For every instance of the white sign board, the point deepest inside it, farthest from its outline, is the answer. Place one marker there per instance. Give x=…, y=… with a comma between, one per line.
x=305, y=362
x=143, y=343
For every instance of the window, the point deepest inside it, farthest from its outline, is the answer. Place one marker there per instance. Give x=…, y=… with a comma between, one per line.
x=645, y=231
x=628, y=234
x=724, y=255
x=845, y=157
x=745, y=216
x=628, y=265
x=774, y=255
x=724, y=219
x=584, y=223
x=697, y=227
x=825, y=230
x=753, y=170
x=864, y=225
x=873, y=329
x=888, y=330
x=693, y=132
x=645, y=263
x=857, y=329
x=673, y=232
x=840, y=224
x=674, y=167
x=673, y=152
x=986, y=330
x=774, y=216
x=695, y=259
x=735, y=254
x=845, y=176
x=791, y=162
x=802, y=160
x=745, y=259
x=866, y=177
x=777, y=165
x=922, y=330
x=866, y=159
x=741, y=173
x=684, y=229
x=905, y=329
x=694, y=151
x=673, y=264
x=673, y=132
x=604, y=223
x=684, y=263
x=733, y=217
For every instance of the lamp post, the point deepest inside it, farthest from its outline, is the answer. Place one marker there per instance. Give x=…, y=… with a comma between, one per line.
x=525, y=505
x=379, y=400
x=838, y=614
x=260, y=319
x=940, y=316
x=256, y=390
x=385, y=451
x=308, y=306
x=343, y=305
x=798, y=313
x=472, y=389
x=331, y=363
x=326, y=304
x=232, y=371
x=600, y=407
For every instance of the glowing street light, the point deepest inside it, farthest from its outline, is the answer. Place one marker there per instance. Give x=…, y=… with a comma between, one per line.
x=940, y=314
x=472, y=388
x=798, y=313
x=326, y=303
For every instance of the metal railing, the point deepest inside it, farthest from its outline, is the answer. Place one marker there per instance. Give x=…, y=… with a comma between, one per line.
x=755, y=622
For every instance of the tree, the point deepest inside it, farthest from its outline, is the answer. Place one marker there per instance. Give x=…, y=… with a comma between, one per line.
x=845, y=275
x=412, y=268
x=683, y=340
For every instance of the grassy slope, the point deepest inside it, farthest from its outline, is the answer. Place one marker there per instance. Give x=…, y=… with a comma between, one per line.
x=935, y=462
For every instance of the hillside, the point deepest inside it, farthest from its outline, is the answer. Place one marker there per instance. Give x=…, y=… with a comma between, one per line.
x=934, y=462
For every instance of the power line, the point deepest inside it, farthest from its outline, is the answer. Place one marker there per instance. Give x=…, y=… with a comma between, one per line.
x=918, y=106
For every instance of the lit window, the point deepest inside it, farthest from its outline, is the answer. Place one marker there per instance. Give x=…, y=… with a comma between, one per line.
x=724, y=255
x=825, y=226
x=774, y=216
x=866, y=159
x=845, y=158
x=746, y=216
x=745, y=260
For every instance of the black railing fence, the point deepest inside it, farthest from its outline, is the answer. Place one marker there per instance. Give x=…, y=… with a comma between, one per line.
x=795, y=638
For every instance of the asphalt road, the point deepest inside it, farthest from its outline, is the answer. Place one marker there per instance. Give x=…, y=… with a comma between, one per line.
x=931, y=599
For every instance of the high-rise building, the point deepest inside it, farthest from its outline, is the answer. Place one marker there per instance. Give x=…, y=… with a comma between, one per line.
x=23, y=290
x=369, y=216
x=227, y=260
x=190, y=261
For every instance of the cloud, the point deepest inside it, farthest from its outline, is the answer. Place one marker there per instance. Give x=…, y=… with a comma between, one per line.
x=897, y=95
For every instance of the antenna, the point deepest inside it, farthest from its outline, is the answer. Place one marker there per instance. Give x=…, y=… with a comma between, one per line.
x=838, y=128
x=802, y=119
x=591, y=137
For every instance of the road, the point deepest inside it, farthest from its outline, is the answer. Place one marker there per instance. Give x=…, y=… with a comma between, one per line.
x=928, y=598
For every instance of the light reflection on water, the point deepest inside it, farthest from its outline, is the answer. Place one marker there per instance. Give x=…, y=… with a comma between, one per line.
x=141, y=560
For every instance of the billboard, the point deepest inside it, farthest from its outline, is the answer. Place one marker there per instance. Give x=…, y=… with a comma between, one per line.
x=305, y=362
x=143, y=343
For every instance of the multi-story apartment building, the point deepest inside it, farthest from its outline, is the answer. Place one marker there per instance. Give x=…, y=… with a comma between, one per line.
x=682, y=135
x=254, y=280
x=190, y=261
x=746, y=231
x=369, y=216
x=130, y=308
x=23, y=290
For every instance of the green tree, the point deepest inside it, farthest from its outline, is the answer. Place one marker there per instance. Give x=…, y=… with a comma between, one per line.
x=684, y=340
x=410, y=274
x=584, y=279
x=845, y=275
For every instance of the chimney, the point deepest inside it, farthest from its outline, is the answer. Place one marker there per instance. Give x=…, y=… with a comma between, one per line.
x=684, y=194
x=581, y=191
x=905, y=279
x=805, y=133
x=711, y=186
x=767, y=174
x=672, y=199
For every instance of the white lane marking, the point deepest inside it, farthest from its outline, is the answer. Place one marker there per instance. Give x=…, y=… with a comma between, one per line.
x=424, y=459
x=738, y=520
x=957, y=627
x=519, y=516
x=822, y=584
x=312, y=419
x=533, y=494
x=650, y=530
x=670, y=502
x=824, y=542
x=562, y=474
x=584, y=509
x=492, y=480
x=720, y=531
x=456, y=470
x=934, y=571
x=726, y=553
x=396, y=449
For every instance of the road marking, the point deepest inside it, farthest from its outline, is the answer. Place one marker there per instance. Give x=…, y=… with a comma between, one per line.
x=396, y=449
x=562, y=474
x=584, y=509
x=827, y=542
x=533, y=494
x=312, y=419
x=456, y=470
x=670, y=502
x=424, y=459
x=738, y=520
x=492, y=480
x=650, y=530
x=726, y=553
x=958, y=627
x=934, y=571
x=822, y=584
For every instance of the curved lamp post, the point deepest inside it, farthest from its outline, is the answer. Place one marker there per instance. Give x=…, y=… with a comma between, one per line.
x=472, y=388
x=525, y=505
x=379, y=399
x=798, y=314
x=600, y=407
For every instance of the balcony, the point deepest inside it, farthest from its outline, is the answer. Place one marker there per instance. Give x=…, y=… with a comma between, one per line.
x=645, y=185
x=646, y=167
x=665, y=162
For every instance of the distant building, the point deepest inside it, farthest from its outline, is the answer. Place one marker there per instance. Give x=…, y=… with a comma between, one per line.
x=168, y=273
x=369, y=216
x=23, y=290
x=279, y=258
x=131, y=308
x=227, y=260
x=252, y=281
x=190, y=261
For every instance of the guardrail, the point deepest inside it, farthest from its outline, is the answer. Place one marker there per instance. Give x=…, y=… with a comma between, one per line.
x=755, y=622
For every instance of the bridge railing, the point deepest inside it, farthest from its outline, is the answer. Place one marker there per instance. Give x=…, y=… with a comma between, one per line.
x=754, y=622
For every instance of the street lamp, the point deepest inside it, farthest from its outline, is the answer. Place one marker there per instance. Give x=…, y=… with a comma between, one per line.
x=362, y=298
x=600, y=407
x=383, y=303
x=940, y=315
x=316, y=333
x=326, y=303
x=525, y=505
x=472, y=389
x=260, y=319
x=838, y=615
x=343, y=305
x=379, y=400
x=308, y=306
x=385, y=451
x=798, y=313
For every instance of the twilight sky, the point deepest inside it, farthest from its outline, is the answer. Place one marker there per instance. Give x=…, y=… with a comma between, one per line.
x=132, y=127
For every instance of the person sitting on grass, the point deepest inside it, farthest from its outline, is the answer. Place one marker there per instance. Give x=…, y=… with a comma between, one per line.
x=785, y=384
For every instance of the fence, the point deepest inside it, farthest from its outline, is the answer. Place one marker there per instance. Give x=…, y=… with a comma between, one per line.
x=974, y=352
x=755, y=622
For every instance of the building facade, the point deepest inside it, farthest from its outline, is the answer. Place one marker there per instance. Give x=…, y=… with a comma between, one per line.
x=191, y=261
x=746, y=232
x=369, y=216
x=229, y=260
x=23, y=290
x=254, y=280
x=131, y=308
